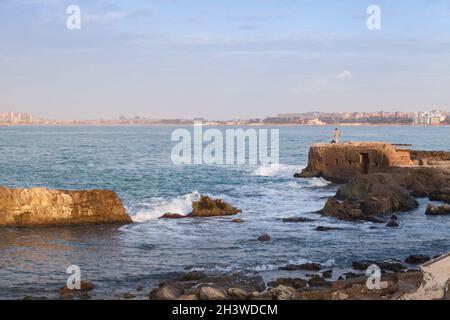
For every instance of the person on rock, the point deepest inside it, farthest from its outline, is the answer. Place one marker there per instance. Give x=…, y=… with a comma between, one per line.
x=336, y=136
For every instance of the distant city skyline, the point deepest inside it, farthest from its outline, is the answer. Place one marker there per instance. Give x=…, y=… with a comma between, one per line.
x=222, y=59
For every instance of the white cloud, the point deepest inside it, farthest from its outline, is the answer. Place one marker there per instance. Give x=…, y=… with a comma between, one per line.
x=345, y=74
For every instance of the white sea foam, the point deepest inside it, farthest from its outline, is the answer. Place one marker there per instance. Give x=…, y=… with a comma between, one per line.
x=318, y=182
x=272, y=170
x=181, y=205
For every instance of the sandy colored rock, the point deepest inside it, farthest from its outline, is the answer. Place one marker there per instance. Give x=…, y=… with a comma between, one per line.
x=209, y=293
x=46, y=207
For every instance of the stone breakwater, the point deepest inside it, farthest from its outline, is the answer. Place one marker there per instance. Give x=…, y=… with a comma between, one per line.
x=46, y=207
x=378, y=178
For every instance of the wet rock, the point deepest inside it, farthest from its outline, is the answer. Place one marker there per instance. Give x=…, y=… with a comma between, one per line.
x=192, y=276
x=297, y=283
x=208, y=207
x=82, y=293
x=417, y=259
x=209, y=293
x=438, y=211
x=304, y=266
x=140, y=288
x=384, y=265
x=172, y=216
x=296, y=219
x=392, y=223
x=441, y=195
x=237, y=220
x=352, y=275
x=318, y=281
x=324, y=229
x=166, y=292
x=368, y=197
x=327, y=274
x=264, y=237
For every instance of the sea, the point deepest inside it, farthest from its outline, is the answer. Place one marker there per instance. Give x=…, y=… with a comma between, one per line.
x=136, y=163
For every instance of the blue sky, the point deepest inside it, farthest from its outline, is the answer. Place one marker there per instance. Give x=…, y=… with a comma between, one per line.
x=222, y=58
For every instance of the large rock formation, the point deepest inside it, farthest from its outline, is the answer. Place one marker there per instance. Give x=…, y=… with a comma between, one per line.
x=380, y=179
x=342, y=162
x=45, y=207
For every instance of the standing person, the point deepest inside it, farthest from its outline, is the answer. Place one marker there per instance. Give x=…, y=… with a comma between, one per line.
x=336, y=136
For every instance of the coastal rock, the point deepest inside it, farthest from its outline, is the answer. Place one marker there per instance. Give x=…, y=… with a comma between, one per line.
x=237, y=293
x=324, y=229
x=318, y=281
x=82, y=293
x=297, y=283
x=296, y=219
x=438, y=211
x=283, y=293
x=384, y=265
x=208, y=207
x=417, y=259
x=172, y=216
x=327, y=274
x=304, y=266
x=237, y=220
x=264, y=237
x=209, y=293
x=166, y=292
x=46, y=207
x=368, y=197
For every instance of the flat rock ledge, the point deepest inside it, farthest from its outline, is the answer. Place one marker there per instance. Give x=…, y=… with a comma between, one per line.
x=46, y=207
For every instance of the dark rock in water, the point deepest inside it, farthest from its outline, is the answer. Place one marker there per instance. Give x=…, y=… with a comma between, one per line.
x=297, y=219
x=208, y=207
x=127, y=295
x=237, y=220
x=441, y=195
x=304, y=266
x=296, y=283
x=172, y=216
x=318, y=281
x=327, y=274
x=392, y=224
x=352, y=275
x=83, y=292
x=417, y=259
x=384, y=265
x=369, y=196
x=264, y=237
x=438, y=211
x=192, y=276
x=394, y=217
x=324, y=229
x=140, y=288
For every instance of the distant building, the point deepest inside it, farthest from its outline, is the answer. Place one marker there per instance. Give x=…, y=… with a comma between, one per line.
x=427, y=119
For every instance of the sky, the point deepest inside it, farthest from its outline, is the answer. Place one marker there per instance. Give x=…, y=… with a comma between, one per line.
x=222, y=59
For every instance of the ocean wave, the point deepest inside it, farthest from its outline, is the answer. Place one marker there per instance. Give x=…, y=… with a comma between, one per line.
x=181, y=205
x=318, y=182
x=272, y=170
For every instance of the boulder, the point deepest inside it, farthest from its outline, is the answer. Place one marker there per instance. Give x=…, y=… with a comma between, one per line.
x=417, y=259
x=296, y=219
x=385, y=265
x=166, y=292
x=264, y=237
x=324, y=229
x=209, y=293
x=208, y=207
x=297, y=283
x=438, y=211
x=283, y=293
x=318, y=281
x=237, y=293
x=82, y=292
x=46, y=207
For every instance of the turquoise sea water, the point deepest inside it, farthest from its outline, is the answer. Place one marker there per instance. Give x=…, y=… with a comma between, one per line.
x=135, y=162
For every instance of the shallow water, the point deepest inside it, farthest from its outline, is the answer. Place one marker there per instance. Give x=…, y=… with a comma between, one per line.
x=135, y=162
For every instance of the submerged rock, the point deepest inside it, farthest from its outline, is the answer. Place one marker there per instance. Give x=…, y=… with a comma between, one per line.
x=384, y=265
x=304, y=266
x=324, y=229
x=237, y=220
x=417, y=259
x=46, y=207
x=296, y=219
x=172, y=216
x=438, y=211
x=264, y=237
x=82, y=293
